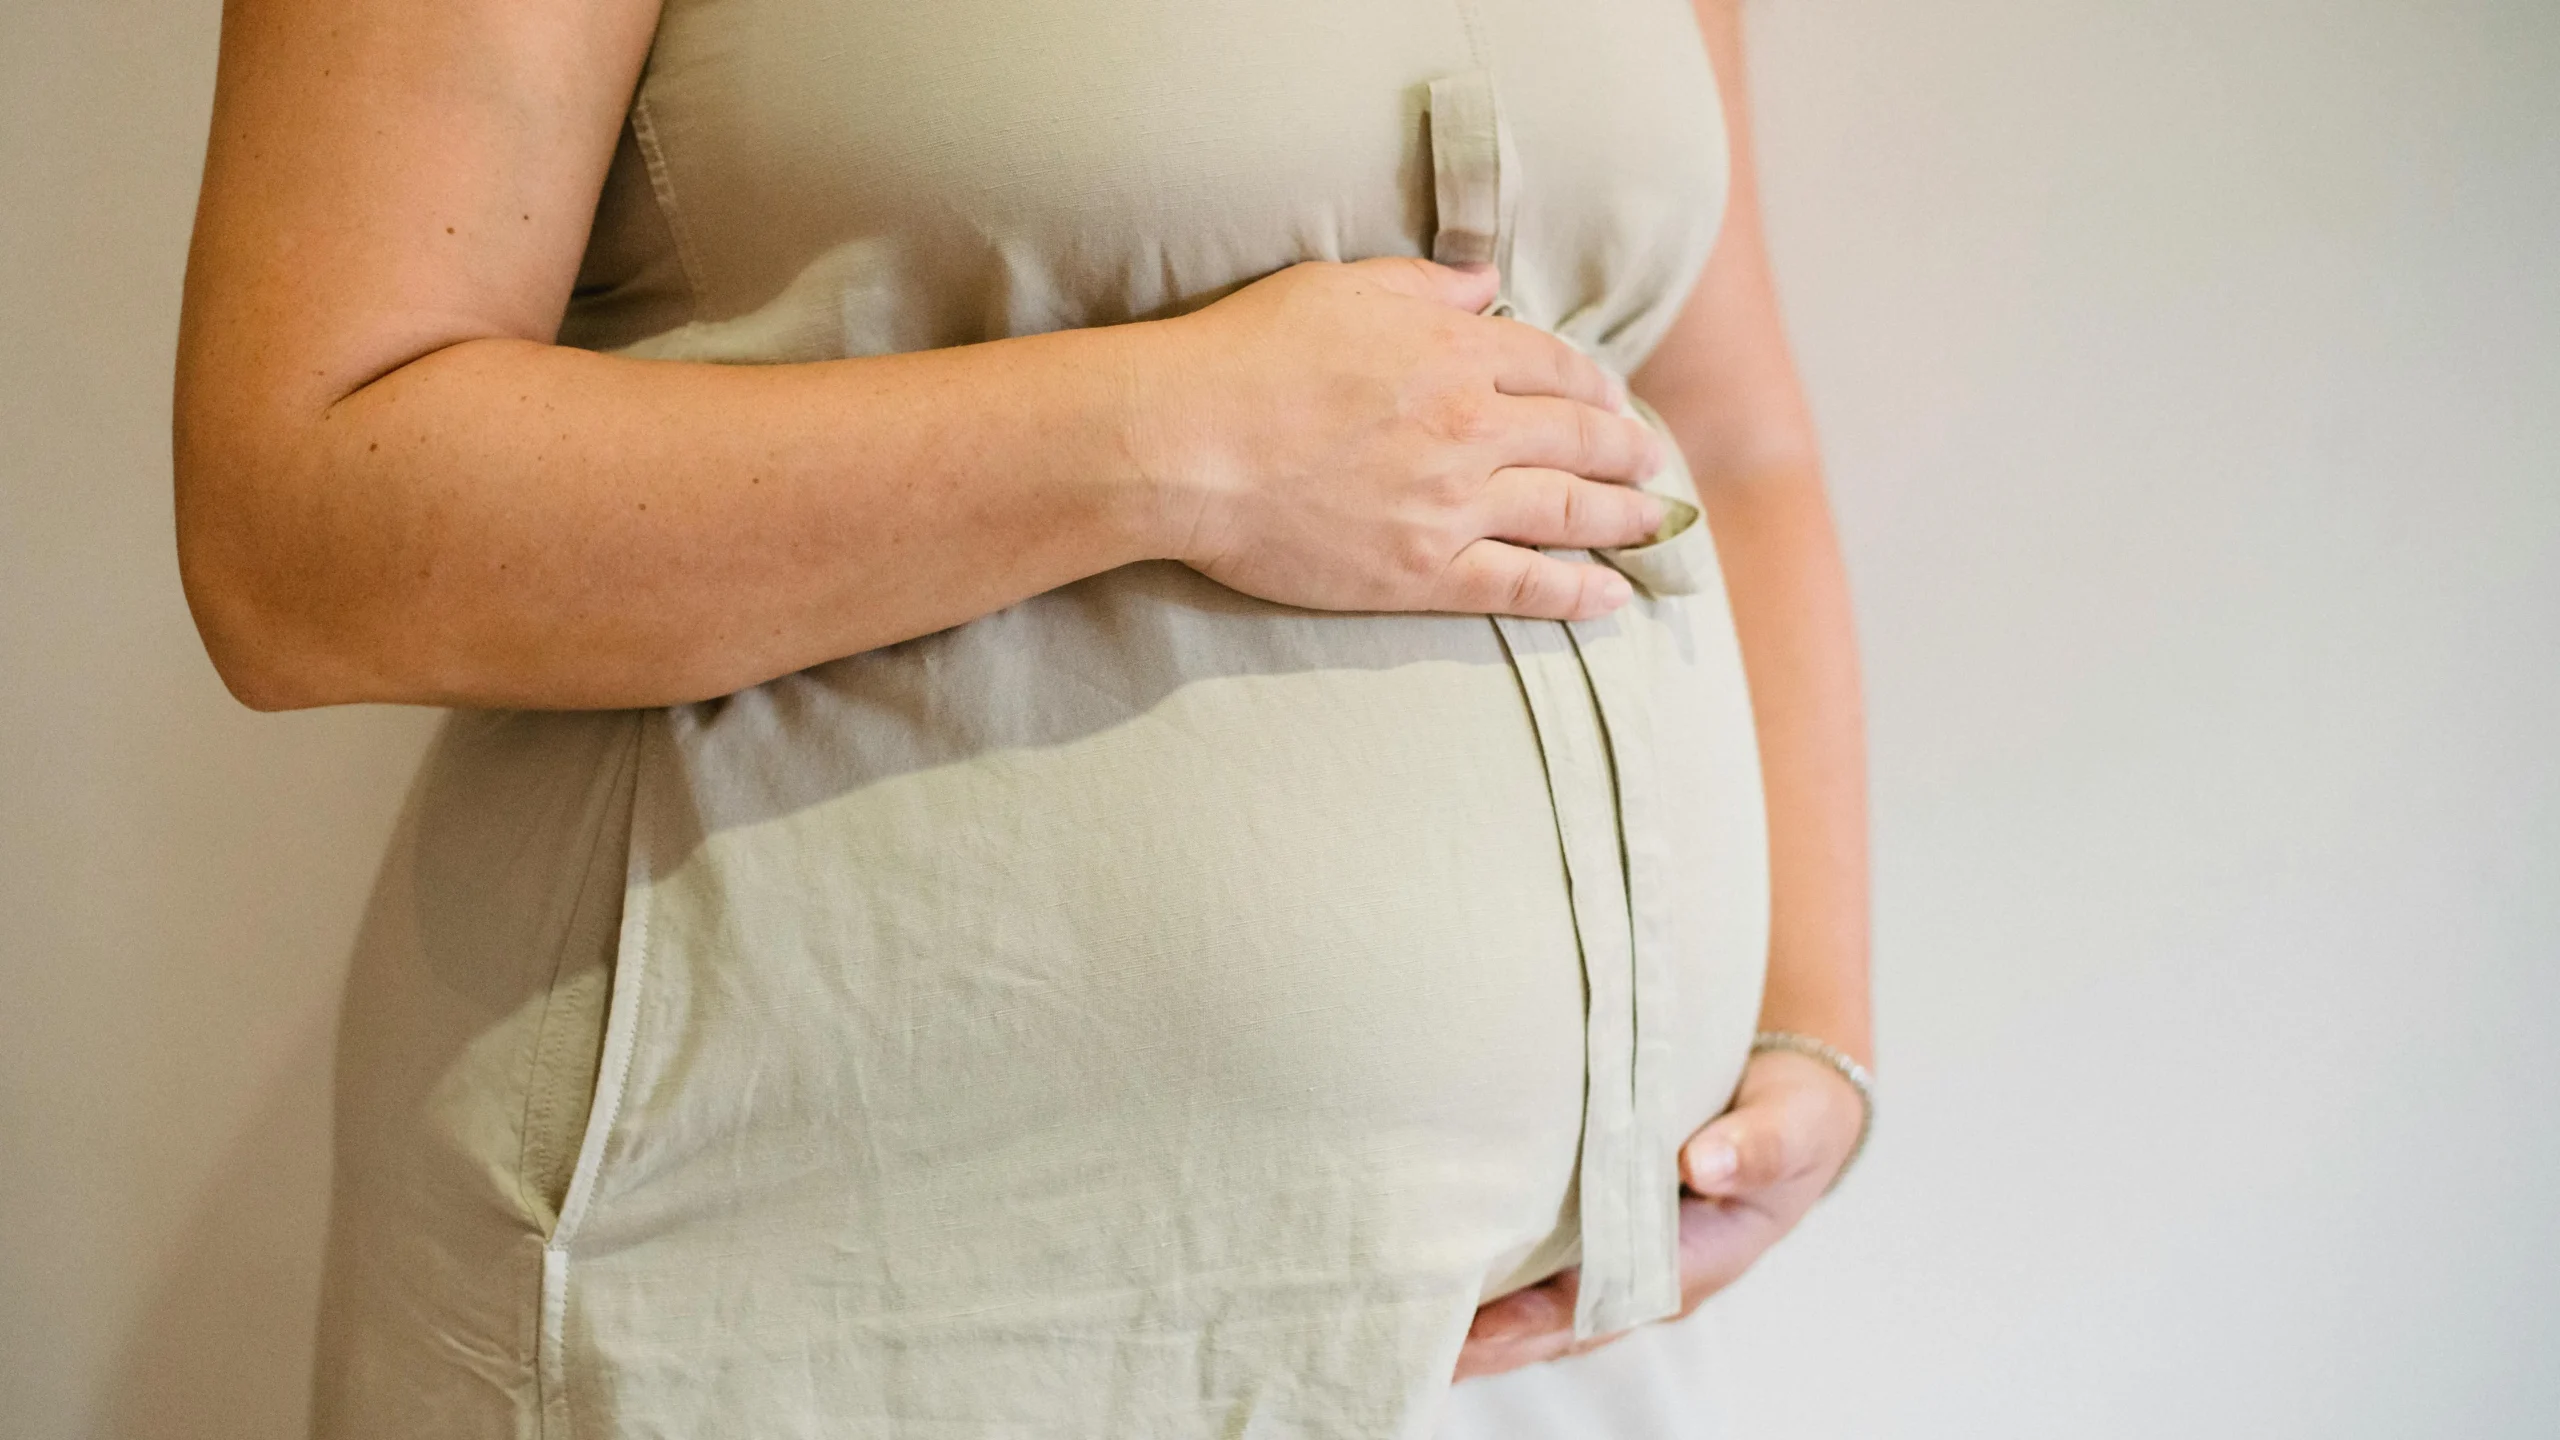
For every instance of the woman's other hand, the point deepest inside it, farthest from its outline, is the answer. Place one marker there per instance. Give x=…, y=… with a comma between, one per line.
x=1356, y=437
x=1752, y=1173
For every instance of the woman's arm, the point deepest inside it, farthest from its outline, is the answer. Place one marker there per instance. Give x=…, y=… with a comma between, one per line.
x=392, y=486
x=1723, y=381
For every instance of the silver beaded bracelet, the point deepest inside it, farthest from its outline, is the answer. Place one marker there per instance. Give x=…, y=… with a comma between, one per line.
x=1850, y=1070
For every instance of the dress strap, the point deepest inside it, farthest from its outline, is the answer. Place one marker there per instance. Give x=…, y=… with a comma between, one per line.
x=1473, y=171
x=1588, y=693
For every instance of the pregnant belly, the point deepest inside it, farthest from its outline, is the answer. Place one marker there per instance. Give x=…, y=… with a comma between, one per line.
x=1141, y=960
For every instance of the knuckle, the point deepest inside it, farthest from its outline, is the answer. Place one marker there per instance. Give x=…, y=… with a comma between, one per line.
x=1463, y=417
x=1762, y=1151
x=1449, y=333
x=1446, y=488
x=1419, y=553
x=1574, y=373
x=1587, y=436
x=1591, y=590
x=1570, y=510
x=1459, y=583
x=1525, y=588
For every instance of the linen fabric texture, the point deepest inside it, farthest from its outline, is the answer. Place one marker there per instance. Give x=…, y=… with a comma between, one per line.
x=1143, y=1011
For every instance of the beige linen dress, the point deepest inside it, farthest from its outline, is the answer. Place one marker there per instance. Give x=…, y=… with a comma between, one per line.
x=1144, y=1011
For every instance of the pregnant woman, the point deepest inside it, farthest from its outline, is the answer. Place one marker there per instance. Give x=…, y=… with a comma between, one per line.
x=1101, y=780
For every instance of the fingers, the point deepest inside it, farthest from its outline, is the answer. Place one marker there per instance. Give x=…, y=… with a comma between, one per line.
x=1776, y=1134
x=1757, y=1168
x=1537, y=362
x=1526, y=360
x=1793, y=1122
x=1469, y=288
x=1558, y=434
x=1531, y=361
x=1525, y=1327
x=1492, y=578
x=1749, y=1148
x=1528, y=506
x=1718, y=1242
x=1541, y=1309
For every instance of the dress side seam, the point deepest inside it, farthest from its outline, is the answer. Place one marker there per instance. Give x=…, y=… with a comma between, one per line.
x=662, y=189
x=613, y=1078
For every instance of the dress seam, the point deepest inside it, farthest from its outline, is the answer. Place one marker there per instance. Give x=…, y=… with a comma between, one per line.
x=1625, y=725
x=662, y=191
x=1471, y=23
x=542, y=1095
x=613, y=1078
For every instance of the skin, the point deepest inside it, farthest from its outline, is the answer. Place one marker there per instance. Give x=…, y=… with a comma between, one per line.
x=1726, y=385
x=392, y=486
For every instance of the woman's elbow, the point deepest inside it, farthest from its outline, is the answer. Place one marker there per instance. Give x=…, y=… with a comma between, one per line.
x=264, y=619
x=262, y=680
x=264, y=659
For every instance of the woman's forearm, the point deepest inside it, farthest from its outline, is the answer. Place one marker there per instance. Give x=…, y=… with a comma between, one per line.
x=502, y=522
x=390, y=486
x=509, y=523
x=1725, y=382
x=1790, y=599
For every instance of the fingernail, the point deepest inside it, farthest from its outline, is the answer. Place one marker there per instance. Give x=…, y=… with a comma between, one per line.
x=1711, y=1162
x=1617, y=390
x=1654, y=512
x=1614, y=592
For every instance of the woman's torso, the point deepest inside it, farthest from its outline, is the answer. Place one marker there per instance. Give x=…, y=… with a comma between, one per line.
x=809, y=180
x=1145, y=1008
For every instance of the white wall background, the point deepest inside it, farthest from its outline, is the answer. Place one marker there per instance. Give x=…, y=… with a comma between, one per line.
x=2191, y=373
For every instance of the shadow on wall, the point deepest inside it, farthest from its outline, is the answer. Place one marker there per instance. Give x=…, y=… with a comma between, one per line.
x=222, y=1349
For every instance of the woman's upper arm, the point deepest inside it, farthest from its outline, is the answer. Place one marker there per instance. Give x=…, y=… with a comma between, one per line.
x=385, y=178
x=1723, y=376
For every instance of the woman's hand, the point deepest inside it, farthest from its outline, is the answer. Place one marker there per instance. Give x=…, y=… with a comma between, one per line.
x=393, y=486
x=1753, y=1172
x=1723, y=384
x=1356, y=437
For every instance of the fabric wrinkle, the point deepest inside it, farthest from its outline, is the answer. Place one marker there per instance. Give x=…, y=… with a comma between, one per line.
x=1144, y=1010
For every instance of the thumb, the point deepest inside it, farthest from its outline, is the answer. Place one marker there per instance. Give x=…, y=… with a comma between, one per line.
x=1743, y=1150
x=1467, y=287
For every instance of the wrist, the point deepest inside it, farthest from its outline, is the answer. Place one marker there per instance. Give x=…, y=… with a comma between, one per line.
x=1827, y=1001
x=1157, y=451
x=1849, y=1080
